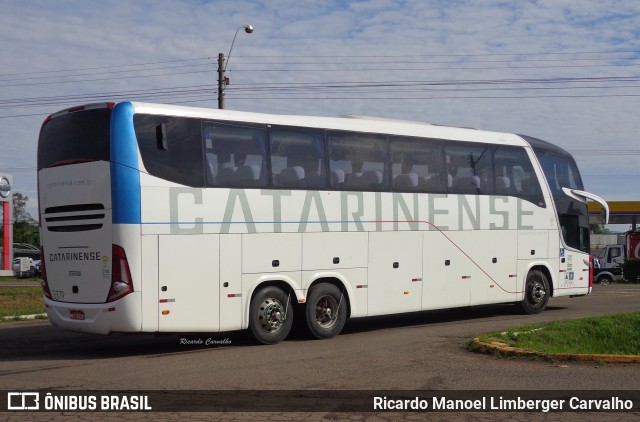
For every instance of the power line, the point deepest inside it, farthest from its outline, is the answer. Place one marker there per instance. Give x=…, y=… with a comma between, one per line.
x=354, y=56
x=103, y=67
x=377, y=69
x=206, y=96
x=106, y=79
x=42, y=101
x=411, y=89
x=72, y=75
x=379, y=61
x=492, y=97
x=562, y=53
x=103, y=73
x=497, y=84
x=420, y=69
x=601, y=152
x=602, y=176
x=287, y=70
x=451, y=82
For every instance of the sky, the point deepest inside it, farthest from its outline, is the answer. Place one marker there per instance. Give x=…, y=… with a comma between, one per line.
x=566, y=71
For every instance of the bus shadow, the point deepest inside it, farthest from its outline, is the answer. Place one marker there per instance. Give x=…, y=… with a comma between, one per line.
x=421, y=318
x=417, y=319
x=46, y=342
x=52, y=343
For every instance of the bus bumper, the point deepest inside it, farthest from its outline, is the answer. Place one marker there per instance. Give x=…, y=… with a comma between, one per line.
x=121, y=316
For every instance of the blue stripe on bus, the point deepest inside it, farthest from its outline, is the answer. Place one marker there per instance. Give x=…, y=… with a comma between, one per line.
x=125, y=175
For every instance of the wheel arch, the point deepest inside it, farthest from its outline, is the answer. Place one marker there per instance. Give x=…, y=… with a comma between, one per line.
x=605, y=275
x=287, y=284
x=544, y=270
x=340, y=284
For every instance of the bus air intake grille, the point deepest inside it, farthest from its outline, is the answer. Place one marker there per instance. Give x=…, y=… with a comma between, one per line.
x=74, y=218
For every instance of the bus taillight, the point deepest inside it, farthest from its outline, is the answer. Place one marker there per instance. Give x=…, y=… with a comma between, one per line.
x=590, y=272
x=121, y=283
x=43, y=275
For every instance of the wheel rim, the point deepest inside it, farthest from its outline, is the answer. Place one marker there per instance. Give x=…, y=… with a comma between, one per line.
x=326, y=311
x=271, y=315
x=537, y=292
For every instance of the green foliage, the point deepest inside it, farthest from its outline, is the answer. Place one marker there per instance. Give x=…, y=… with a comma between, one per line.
x=25, y=232
x=611, y=334
x=599, y=229
x=25, y=227
x=20, y=301
x=631, y=270
x=20, y=212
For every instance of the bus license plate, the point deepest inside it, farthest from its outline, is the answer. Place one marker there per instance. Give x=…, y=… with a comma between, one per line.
x=78, y=315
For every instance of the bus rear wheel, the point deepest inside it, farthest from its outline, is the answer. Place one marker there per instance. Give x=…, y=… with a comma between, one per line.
x=536, y=293
x=270, y=315
x=326, y=311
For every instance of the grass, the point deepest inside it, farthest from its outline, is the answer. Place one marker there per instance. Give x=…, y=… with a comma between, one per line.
x=612, y=334
x=17, y=280
x=20, y=301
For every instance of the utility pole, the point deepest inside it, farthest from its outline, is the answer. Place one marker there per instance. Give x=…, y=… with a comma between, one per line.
x=221, y=81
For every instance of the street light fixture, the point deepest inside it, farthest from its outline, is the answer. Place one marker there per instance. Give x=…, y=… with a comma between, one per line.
x=222, y=66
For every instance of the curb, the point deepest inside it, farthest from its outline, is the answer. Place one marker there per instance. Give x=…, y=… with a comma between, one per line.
x=496, y=346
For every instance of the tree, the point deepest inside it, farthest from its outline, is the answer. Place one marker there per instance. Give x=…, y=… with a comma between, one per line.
x=599, y=229
x=20, y=212
x=25, y=227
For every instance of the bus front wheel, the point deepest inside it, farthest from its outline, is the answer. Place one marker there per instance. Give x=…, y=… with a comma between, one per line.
x=270, y=315
x=536, y=293
x=326, y=311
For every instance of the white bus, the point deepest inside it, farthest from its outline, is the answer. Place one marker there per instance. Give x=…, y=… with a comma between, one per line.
x=160, y=218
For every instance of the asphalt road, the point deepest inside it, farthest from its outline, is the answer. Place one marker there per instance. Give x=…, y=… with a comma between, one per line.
x=407, y=352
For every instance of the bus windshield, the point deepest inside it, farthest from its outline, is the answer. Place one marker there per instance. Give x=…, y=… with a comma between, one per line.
x=561, y=171
x=74, y=138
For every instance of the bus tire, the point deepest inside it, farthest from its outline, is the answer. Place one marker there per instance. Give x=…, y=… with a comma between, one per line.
x=326, y=311
x=604, y=279
x=270, y=315
x=536, y=293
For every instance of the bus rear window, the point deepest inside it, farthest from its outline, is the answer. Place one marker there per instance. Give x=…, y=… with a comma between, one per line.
x=75, y=138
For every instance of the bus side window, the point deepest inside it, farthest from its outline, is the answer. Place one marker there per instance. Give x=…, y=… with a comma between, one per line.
x=297, y=158
x=572, y=233
x=171, y=148
x=357, y=161
x=471, y=167
x=515, y=175
x=235, y=155
x=417, y=165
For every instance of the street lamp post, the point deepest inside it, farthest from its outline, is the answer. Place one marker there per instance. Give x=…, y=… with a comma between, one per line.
x=222, y=66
